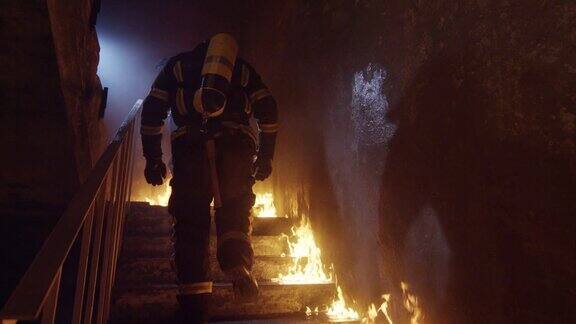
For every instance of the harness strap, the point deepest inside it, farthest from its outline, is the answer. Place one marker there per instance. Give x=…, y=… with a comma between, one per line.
x=226, y=124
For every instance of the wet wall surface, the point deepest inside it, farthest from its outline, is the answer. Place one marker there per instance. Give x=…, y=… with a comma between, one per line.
x=430, y=142
x=436, y=139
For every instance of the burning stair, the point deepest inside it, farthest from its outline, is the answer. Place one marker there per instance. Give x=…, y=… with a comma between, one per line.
x=145, y=289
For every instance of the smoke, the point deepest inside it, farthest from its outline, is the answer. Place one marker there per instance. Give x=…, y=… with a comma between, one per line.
x=127, y=72
x=128, y=67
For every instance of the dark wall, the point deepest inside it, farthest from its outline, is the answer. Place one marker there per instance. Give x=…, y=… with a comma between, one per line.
x=50, y=130
x=447, y=124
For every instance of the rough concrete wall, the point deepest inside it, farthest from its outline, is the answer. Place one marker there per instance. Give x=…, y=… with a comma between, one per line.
x=38, y=161
x=466, y=159
x=485, y=141
x=49, y=98
x=77, y=50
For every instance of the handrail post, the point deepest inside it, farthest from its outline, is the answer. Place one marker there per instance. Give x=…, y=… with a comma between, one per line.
x=99, y=212
x=51, y=303
x=82, y=268
x=111, y=203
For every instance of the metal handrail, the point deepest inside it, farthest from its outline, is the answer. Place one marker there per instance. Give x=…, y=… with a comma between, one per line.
x=97, y=210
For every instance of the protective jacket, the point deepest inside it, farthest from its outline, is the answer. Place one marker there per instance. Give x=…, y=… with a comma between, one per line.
x=174, y=89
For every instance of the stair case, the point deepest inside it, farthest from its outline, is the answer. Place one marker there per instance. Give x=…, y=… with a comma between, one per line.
x=145, y=286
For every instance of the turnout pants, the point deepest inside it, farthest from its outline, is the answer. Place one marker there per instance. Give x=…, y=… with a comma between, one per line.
x=190, y=207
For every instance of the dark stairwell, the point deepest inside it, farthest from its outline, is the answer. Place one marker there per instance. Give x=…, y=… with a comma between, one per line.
x=431, y=142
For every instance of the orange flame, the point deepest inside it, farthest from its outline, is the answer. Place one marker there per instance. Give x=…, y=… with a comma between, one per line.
x=154, y=195
x=307, y=266
x=264, y=205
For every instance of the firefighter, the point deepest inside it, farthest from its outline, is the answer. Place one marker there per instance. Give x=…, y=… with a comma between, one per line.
x=212, y=94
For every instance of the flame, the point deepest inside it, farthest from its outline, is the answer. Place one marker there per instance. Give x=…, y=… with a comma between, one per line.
x=411, y=304
x=307, y=266
x=310, y=312
x=264, y=205
x=155, y=196
x=160, y=195
x=373, y=312
x=339, y=311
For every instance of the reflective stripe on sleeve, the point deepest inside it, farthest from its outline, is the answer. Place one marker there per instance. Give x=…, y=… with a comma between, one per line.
x=159, y=94
x=259, y=94
x=195, y=288
x=269, y=128
x=233, y=235
x=178, y=71
x=180, y=104
x=150, y=130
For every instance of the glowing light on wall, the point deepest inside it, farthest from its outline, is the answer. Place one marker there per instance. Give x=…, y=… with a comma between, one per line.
x=125, y=70
x=370, y=106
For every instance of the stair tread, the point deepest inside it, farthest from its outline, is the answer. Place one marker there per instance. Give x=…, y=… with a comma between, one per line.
x=145, y=289
x=145, y=219
x=282, y=320
x=274, y=300
x=150, y=271
x=160, y=246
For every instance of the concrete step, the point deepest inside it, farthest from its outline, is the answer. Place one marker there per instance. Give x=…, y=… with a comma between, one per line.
x=263, y=245
x=272, y=226
x=142, y=272
x=283, y=320
x=146, y=247
x=158, y=304
x=147, y=220
x=158, y=247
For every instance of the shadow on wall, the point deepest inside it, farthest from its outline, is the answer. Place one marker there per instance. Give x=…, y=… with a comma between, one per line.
x=476, y=200
x=500, y=194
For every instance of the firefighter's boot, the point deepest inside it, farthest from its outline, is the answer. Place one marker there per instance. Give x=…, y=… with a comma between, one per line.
x=245, y=286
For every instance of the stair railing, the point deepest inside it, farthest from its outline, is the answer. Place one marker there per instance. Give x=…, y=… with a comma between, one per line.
x=95, y=217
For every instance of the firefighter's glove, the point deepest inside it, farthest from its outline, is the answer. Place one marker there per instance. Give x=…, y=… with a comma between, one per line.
x=155, y=172
x=263, y=168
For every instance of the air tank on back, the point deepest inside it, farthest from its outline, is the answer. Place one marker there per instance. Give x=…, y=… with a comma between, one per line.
x=210, y=98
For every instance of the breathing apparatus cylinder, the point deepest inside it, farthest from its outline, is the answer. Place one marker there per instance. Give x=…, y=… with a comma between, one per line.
x=210, y=98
